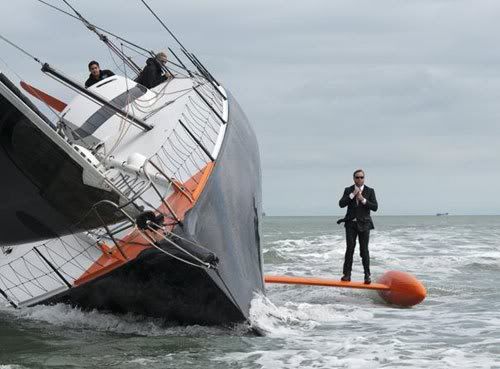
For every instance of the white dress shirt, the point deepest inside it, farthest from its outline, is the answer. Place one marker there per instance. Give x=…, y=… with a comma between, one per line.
x=351, y=195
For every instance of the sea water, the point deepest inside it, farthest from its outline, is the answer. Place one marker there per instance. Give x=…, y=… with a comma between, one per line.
x=457, y=326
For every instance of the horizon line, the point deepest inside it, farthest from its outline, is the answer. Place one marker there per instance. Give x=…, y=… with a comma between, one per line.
x=382, y=215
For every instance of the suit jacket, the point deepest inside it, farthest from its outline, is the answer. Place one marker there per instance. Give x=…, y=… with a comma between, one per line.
x=360, y=212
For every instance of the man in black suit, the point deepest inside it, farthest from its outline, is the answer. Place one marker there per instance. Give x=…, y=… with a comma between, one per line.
x=360, y=200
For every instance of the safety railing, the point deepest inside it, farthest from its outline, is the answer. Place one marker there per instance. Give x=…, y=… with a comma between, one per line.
x=48, y=268
x=195, y=137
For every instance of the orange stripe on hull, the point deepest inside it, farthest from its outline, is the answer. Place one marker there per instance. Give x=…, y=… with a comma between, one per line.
x=181, y=203
x=134, y=243
x=203, y=180
x=112, y=258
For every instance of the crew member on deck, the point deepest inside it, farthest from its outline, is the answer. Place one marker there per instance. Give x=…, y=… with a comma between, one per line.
x=360, y=200
x=152, y=74
x=96, y=74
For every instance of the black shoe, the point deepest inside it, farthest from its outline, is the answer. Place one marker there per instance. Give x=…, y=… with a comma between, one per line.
x=346, y=278
x=368, y=280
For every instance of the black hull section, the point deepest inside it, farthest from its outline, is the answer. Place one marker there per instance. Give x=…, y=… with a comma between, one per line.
x=224, y=220
x=156, y=285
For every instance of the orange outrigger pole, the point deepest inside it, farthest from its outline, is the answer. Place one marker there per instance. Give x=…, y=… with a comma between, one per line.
x=396, y=288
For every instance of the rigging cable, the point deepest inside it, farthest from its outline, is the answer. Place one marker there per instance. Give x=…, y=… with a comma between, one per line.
x=126, y=59
x=59, y=116
x=163, y=24
x=99, y=28
x=21, y=50
x=191, y=57
x=115, y=49
x=149, y=52
x=123, y=129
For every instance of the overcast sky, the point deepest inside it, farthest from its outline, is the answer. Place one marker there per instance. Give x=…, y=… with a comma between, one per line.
x=407, y=90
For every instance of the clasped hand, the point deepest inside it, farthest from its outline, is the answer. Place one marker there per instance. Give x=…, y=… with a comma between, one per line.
x=358, y=195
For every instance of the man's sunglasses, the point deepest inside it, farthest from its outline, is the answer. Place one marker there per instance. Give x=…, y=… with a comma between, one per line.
x=358, y=177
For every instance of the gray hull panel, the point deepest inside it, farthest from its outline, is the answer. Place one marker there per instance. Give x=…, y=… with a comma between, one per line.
x=226, y=218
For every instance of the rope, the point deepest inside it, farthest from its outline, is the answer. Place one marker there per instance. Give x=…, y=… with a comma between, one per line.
x=56, y=113
x=104, y=39
x=205, y=264
x=96, y=27
x=123, y=129
x=21, y=50
x=163, y=24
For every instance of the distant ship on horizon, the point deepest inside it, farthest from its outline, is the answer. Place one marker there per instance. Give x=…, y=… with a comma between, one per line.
x=441, y=214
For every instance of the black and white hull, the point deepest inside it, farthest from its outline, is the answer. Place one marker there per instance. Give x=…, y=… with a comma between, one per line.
x=226, y=217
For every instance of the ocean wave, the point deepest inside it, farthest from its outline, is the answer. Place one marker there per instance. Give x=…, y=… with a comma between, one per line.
x=369, y=336
x=320, y=327
x=292, y=318
x=353, y=352
x=62, y=315
x=438, y=255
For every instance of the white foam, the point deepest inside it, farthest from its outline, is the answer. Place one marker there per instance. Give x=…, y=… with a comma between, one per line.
x=69, y=317
x=142, y=361
x=293, y=318
x=277, y=321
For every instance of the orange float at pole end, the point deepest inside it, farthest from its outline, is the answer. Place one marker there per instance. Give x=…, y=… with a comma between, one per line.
x=396, y=288
x=404, y=289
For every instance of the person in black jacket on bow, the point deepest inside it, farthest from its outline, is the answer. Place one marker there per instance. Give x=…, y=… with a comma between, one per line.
x=152, y=74
x=360, y=200
x=96, y=74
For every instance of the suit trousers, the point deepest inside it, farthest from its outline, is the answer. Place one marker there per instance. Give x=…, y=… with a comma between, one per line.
x=352, y=233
